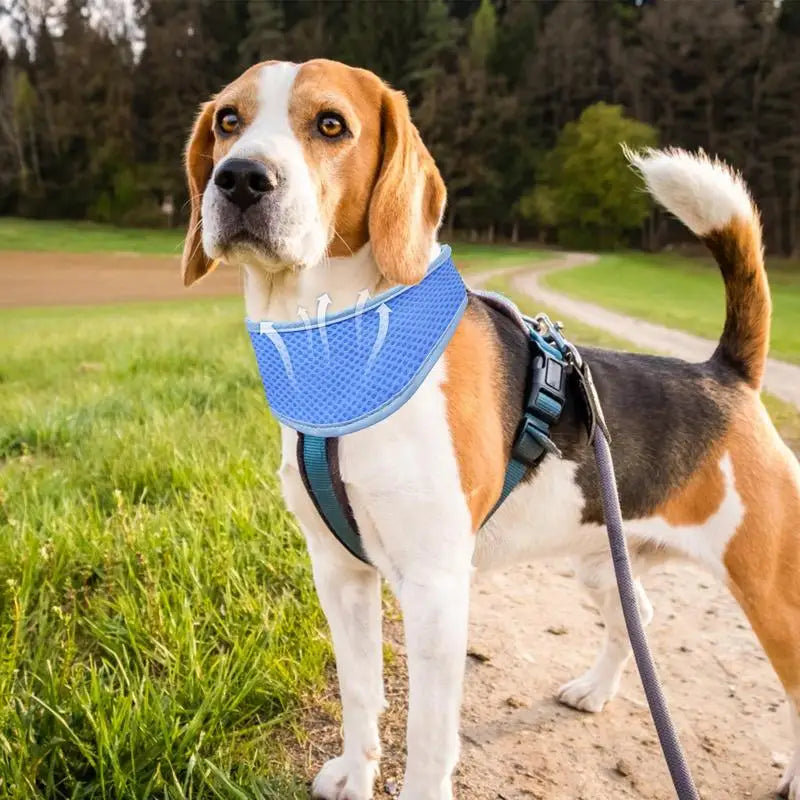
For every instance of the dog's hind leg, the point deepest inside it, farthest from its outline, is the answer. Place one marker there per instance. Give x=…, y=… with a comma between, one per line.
x=764, y=573
x=592, y=690
x=762, y=559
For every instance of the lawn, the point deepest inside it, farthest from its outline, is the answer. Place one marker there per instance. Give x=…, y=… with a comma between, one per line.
x=86, y=237
x=157, y=615
x=682, y=293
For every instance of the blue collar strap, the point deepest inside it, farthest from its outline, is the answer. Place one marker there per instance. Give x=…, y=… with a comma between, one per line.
x=339, y=374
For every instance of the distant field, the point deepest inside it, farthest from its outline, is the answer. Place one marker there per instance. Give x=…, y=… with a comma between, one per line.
x=682, y=293
x=158, y=619
x=66, y=236
x=86, y=237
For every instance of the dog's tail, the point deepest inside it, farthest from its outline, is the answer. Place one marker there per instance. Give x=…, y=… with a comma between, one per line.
x=712, y=201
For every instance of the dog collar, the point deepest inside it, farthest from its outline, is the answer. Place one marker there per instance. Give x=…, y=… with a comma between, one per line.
x=340, y=374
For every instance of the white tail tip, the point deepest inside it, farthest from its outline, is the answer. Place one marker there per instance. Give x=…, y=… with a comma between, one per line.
x=704, y=194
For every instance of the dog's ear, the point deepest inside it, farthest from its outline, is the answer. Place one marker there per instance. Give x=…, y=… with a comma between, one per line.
x=408, y=199
x=199, y=164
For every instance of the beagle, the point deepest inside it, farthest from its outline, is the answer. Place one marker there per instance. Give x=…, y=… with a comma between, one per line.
x=312, y=178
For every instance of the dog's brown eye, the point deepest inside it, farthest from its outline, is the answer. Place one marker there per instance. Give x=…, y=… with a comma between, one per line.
x=228, y=120
x=330, y=125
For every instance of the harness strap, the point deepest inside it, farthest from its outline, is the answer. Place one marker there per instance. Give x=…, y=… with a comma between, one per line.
x=318, y=457
x=318, y=461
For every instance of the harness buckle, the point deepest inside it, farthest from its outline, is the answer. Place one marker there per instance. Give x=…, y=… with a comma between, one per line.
x=545, y=402
x=532, y=442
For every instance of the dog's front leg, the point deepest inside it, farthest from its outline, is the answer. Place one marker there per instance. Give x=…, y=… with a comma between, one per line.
x=435, y=606
x=350, y=594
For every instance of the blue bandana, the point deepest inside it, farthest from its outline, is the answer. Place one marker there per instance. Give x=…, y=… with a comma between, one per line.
x=340, y=374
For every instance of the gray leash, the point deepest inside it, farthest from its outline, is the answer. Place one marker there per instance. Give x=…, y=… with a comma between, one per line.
x=671, y=747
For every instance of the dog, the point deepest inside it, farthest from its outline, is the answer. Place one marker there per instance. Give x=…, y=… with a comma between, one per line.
x=312, y=179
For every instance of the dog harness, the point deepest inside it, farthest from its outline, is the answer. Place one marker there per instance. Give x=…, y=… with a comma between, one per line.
x=353, y=369
x=342, y=373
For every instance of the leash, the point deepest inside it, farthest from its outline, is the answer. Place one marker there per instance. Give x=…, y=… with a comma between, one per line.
x=599, y=437
x=659, y=711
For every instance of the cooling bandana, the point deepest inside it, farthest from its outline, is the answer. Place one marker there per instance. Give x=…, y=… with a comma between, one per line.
x=336, y=375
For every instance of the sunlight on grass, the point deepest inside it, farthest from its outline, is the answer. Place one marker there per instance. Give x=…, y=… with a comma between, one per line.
x=158, y=615
x=681, y=293
x=68, y=236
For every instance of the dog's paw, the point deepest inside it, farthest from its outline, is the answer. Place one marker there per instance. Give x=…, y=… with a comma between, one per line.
x=345, y=779
x=591, y=691
x=789, y=786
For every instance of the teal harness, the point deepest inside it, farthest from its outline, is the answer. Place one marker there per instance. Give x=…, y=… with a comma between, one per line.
x=343, y=373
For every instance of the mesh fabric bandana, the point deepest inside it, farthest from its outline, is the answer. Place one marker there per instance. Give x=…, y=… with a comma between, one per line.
x=354, y=368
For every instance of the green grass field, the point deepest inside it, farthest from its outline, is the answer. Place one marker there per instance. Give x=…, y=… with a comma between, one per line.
x=157, y=615
x=682, y=293
x=86, y=237
x=90, y=237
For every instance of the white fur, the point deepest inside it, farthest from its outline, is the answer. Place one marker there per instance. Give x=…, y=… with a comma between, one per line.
x=296, y=227
x=703, y=193
x=524, y=526
x=417, y=531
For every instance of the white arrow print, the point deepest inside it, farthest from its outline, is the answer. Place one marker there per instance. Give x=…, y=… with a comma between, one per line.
x=306, y=320
x=363, y=296
x=269, y=331
x=323, y=301
x=383, y=312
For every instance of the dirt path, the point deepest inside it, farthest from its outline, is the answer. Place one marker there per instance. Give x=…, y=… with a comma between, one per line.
x=533, y=630
x=47, y=279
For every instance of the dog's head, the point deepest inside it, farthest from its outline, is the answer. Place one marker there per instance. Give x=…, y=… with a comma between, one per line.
x=294, y=162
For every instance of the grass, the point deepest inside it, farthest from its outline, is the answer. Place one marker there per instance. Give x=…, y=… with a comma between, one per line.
x=475, y=256
x=682, y=293
x=157, y=615
x=86, y=237
x=90, y=237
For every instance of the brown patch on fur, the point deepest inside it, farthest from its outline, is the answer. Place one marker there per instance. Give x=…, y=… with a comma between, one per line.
x=763, y=558
x=204, y=150
x=345, y=169
x=699, y=498
x=474, y=412
x=379, y=183
x=745, y=338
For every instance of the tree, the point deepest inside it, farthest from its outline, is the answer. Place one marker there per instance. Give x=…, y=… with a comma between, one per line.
x=586, y=190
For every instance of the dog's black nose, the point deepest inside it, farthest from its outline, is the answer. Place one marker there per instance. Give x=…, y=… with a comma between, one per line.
x=244, y=182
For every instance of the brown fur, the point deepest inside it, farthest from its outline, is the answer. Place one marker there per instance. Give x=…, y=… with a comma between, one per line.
x=381, y=183
x=204, y=149
x=409, y=197
x=344, y=170
x=699, y=498
x=745, y=338
x=763, y=558
x=474, y=412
